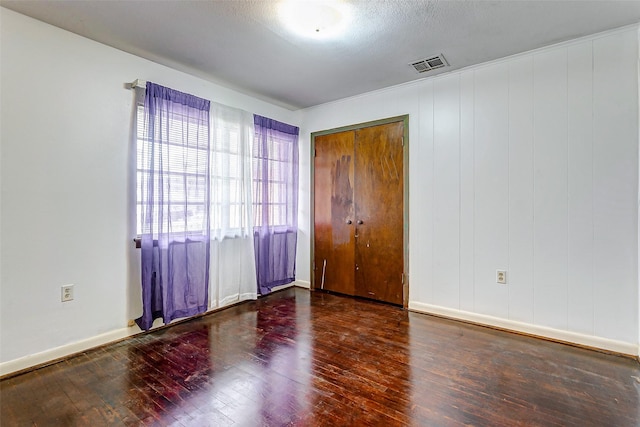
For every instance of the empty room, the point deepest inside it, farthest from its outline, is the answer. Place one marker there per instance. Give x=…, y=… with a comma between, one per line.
x=332, y=213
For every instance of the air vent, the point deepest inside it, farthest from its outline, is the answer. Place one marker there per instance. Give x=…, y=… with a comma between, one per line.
x=424, y=65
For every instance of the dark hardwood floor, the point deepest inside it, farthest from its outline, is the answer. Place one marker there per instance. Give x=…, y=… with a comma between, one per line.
x=300, y=358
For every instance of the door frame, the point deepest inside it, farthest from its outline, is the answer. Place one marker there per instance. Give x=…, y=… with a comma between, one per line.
x=405, y=204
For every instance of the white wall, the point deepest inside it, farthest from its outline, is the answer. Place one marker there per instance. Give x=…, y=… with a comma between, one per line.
x=66, y=211
x=528, y=164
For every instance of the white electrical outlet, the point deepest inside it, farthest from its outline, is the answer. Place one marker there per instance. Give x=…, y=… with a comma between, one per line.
x=67, y=293
x=501, y=277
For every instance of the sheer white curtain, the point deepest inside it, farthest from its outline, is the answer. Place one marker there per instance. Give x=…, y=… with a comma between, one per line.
x=232, y=275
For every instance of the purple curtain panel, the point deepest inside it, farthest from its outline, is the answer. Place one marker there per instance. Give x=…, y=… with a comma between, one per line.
x=174, y=189
x=275, y=195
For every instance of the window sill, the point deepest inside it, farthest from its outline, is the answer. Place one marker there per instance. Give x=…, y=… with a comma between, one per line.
x=276, y=230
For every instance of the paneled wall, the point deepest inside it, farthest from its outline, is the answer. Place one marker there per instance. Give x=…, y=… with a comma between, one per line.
x=528, y=164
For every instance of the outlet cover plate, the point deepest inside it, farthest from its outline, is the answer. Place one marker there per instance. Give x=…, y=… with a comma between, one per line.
x=67, y=293
x=501, y=277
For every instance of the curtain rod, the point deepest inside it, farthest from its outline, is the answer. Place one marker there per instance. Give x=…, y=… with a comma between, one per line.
x=139, y=83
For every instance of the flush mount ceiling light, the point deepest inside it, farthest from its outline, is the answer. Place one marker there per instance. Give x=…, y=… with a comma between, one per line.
x=315, y=19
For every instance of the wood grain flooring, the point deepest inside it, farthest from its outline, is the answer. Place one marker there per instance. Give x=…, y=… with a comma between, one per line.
x=314, y=359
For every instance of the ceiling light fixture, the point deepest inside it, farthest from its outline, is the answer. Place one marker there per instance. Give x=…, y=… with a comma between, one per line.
x=315, y=19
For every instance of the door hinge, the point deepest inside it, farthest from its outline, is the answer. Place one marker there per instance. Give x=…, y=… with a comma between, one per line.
x=315, y=153
x=403, y=141
x=403, y=278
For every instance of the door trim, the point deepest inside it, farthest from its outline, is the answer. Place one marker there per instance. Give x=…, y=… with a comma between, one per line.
x=405, y=177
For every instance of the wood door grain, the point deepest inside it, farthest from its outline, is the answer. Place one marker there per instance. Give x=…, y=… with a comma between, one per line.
x=334, y=225
x=379, y=198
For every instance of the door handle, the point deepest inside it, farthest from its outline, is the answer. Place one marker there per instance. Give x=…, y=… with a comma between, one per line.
x=349, y=221
x=360, y=222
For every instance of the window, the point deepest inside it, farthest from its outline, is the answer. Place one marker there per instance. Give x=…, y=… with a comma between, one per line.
x=184, y=180
x=271, y=167
x=275, y=167
x=230, y=197
x=198, y=187
x=272, y=182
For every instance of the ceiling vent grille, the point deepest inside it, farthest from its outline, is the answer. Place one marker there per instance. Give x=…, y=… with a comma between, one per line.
x=424, y=65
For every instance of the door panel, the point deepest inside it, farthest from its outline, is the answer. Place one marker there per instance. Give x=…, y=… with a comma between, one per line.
x=379, y=195
x=334, y=237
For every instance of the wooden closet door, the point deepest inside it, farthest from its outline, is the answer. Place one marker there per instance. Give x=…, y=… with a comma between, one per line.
x=379, y=207
x=334, y=224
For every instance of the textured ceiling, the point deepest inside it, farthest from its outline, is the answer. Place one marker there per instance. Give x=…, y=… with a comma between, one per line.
x=243, y=45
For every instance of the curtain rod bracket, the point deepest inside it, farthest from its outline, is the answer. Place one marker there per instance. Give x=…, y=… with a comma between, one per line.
x=138, y=83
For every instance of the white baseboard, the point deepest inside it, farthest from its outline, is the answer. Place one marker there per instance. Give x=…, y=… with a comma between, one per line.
x=232, y=299
x=302, y=284
x=281, y=287
x=53, y=354
x=297, y=283
x=530, y=329
x=46, y=356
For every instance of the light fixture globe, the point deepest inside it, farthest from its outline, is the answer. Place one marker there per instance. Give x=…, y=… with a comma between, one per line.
x=315, y=19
